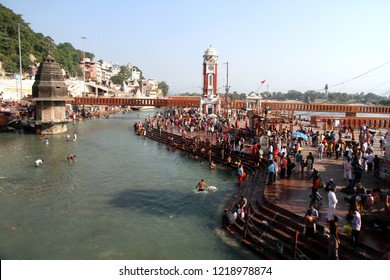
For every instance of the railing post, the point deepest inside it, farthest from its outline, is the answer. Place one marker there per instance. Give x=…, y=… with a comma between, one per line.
x=246, y=222
x=295, y=244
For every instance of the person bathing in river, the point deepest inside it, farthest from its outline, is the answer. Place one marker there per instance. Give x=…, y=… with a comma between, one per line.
x=38, y=162
x=71, y=158
x=201, y=186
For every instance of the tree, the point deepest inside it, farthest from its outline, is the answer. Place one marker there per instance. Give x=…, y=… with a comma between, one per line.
x=125, y=71
x=33, y=45
x=118, y=79
x=164, y=88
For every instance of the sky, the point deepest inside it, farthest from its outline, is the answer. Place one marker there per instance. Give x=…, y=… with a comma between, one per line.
x=293, y=45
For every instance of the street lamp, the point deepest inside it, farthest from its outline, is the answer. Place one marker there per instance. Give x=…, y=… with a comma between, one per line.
x=227, y=87
x=83, y=38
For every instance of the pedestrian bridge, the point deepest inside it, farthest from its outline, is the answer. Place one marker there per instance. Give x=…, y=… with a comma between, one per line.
x=338, y=108
x=350, y=119
x=128, y=101
x=195, y=102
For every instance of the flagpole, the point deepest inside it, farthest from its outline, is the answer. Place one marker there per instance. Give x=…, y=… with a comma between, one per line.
x=83, y=38
x=261, y=84
x=20, y=64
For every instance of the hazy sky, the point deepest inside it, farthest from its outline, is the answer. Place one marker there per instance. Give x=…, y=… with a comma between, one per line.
x=294, y=45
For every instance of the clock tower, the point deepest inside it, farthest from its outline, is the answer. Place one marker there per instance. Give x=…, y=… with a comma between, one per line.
x=210, y=100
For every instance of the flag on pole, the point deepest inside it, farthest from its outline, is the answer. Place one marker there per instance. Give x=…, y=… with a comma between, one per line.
x=262, y=82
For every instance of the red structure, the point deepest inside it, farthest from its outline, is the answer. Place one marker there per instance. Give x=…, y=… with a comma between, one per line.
x=210, y=98
x=126, y=101
x=350, y=120
x=350, y=110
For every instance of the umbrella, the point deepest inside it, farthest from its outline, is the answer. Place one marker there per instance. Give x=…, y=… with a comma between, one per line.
x=299, y=134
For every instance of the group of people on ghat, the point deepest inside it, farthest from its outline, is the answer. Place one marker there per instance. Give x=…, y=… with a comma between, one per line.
x=285, y=159
x=228, y=141
x=188, y=121
x=357, y=157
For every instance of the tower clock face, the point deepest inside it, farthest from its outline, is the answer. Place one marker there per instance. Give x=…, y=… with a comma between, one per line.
x=211, y=67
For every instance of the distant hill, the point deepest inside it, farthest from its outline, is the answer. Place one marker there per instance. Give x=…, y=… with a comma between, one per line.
x=34, y=46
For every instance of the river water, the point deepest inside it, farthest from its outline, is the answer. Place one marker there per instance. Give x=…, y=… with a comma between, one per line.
x=126, y=197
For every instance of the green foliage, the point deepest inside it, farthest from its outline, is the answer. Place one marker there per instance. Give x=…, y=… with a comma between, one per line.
x=35, y=44
x=125, y=72
x=69, y=58
x=190, y=94
x=333, y=97
x=164, y=88
x=235, y=96
x=118, y=79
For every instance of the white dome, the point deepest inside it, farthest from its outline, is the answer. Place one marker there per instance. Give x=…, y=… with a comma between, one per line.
x=210, y=52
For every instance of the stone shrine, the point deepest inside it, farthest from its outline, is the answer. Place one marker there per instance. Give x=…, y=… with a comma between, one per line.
x=49, y=94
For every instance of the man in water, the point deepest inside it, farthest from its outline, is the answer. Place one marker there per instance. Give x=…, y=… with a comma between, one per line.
x=201, y=186
x=38, y=162
x=71, y=158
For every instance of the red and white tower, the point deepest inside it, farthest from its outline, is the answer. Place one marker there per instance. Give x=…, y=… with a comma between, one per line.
x=210, y=100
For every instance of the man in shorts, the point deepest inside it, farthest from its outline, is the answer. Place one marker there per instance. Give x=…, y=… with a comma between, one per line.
x=201, y=186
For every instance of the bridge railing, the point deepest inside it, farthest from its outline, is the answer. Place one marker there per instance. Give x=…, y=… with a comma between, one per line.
x=236, y=104
x=340, y=108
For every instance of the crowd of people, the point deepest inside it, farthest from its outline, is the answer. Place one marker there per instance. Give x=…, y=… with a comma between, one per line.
x=355, y=153
x=284, y=154
x=225, y=138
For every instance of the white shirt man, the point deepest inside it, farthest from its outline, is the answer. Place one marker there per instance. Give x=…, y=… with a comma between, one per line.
x=364, y=147
x=332, y=201
x=356, y=225
x=320, y=149
x=271, y=149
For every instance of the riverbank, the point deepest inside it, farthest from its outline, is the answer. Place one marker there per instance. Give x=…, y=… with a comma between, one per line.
x=293, y=196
